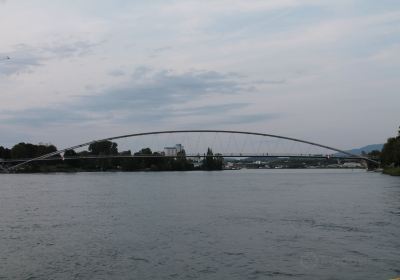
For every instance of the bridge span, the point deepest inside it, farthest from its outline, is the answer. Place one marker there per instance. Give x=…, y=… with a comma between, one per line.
x=207, y=138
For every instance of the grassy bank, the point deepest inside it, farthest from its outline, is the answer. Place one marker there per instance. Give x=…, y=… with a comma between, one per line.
x=393, y=171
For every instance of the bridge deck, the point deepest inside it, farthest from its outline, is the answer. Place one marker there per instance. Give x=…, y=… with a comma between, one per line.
x=190, y=156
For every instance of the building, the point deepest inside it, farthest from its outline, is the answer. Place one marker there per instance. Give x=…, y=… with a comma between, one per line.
x=173, y=151
x=352, y=165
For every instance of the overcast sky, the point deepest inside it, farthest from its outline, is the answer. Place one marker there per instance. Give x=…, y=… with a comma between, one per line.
x=325, y=71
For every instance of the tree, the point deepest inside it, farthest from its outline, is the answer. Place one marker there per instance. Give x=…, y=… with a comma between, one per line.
x=43, y=149
x=5, y=153
x=181, y=163
x=212, y=163
x=375, y=154
x=103, y=148
x=391, y=152
x=71, y=162
x=28, y=150
x=144, y=162
x=23, y=150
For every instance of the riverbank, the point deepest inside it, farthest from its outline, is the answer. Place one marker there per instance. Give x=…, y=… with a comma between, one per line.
x=46, y=170
x=393, y=171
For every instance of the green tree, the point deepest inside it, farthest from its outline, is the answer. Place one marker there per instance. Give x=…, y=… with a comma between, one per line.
x=212, y=163
x=28, y=150
x=42, y=149
x=103, y=148
x=71, y=162
x=181, y=163
x=5, y=153
x=23, y=150
x=390, y=155
x=375, y=154
x=144, y=162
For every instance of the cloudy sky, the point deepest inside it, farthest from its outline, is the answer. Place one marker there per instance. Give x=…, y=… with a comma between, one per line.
x=326, y=71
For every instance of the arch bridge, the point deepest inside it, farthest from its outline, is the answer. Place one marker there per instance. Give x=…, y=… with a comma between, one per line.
x=224, y=143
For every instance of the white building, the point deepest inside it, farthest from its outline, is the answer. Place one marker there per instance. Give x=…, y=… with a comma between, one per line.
x=352, y=165
x=173, y=151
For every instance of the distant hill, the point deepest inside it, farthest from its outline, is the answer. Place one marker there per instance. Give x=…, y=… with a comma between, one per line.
x=367, y=149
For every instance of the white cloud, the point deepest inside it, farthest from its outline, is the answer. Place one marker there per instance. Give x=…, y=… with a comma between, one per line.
x=292, y=55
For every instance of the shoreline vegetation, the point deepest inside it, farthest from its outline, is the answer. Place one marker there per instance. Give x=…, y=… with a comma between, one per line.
x=389, y=156
x=393, y=171
x=91, y=160
x=156, y=161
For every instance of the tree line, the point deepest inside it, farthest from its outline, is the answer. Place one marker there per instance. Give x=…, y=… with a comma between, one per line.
x=26, y=150
x=390, y=155
x=155, y=161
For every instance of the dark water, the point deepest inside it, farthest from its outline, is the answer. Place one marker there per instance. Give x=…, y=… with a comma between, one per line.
x=319, y=224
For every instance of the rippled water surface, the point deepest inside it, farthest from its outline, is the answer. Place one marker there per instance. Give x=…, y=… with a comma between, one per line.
x=261, y=224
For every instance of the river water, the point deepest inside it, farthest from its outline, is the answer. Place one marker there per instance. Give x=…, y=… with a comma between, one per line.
x=248, y=224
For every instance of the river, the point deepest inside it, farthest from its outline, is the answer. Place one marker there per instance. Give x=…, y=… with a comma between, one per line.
x=247, y=224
